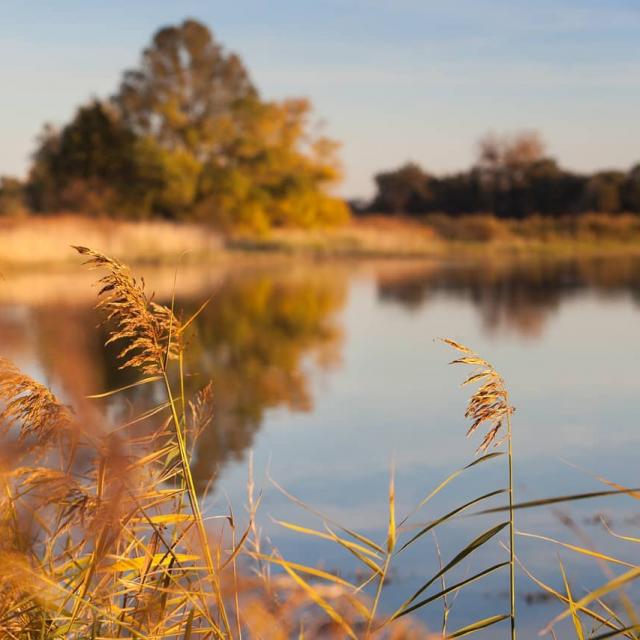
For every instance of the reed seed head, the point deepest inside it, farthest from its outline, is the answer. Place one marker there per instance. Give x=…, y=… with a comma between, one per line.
x=489, y=405
x=151, y=331
x=30, y=405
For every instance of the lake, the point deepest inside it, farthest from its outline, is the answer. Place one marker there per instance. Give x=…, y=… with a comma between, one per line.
x=327, y=373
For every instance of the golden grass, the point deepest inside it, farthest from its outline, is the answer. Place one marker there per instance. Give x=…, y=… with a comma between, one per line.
x=366, y=237
x=585, y=234
x=490, y=404
x=35, y=241
x=103, y=533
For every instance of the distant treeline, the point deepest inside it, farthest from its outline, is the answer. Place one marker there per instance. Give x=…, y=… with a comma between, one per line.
x=186, y=136
x=512, y=178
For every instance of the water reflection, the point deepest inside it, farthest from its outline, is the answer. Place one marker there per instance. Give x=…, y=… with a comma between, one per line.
x=255, y=340
x=268, y=329
x=516, y=294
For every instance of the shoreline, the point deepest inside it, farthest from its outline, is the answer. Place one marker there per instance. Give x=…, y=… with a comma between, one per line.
x=34, y=244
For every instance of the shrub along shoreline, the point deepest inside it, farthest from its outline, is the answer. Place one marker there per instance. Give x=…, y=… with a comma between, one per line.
x=34, y=242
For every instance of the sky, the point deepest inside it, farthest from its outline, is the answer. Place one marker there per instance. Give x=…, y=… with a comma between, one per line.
x=393, y=80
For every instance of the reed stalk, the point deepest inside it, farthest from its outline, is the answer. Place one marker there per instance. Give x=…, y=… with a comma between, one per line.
x=512, y=554
x=490, y=406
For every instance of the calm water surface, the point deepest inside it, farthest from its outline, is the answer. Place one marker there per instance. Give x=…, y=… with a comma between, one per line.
x=327, y=372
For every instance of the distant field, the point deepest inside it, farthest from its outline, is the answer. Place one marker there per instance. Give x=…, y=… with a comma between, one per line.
x=36, y=241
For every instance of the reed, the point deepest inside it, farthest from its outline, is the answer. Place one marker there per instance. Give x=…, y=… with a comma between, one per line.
x=103, y=530
x=489, y=405
x=103, y=533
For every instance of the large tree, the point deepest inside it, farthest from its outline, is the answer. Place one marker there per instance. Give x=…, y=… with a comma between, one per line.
x=186, y=91
x=85, y=164
x=187, y=135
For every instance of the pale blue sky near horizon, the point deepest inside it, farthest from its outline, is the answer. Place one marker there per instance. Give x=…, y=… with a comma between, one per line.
x=393, y=80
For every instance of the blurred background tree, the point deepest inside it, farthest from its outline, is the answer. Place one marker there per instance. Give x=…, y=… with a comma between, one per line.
x=188, y=136
x=12, y=197
x=512, y=177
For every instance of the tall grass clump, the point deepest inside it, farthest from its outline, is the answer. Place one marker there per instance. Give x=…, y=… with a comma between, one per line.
x=98, y=538
x=490, y=406
x=103, y=533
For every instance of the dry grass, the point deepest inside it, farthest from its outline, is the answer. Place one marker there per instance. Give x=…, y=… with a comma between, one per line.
x=371, y=236
x=588, y=233
x=37, y=241
x=103, y=534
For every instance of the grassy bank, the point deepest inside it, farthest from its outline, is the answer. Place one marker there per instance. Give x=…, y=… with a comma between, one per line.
x=36, y=241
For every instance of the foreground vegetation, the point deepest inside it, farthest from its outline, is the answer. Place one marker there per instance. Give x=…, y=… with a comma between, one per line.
x=104, y=533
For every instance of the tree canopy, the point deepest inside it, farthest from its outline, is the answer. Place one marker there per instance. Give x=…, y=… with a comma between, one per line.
x=512, y=177
x=187, y=92
x=187, y=135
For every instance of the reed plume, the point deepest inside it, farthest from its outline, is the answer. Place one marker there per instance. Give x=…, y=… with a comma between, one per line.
x=151, y=332
x=30, y=405
x=490, y=402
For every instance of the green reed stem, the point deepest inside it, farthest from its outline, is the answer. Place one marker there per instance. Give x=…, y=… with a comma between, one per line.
x=512, y=581
x=195, y=508
x=376, y=600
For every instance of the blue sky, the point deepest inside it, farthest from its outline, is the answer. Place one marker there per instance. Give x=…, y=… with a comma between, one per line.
x=394, y=80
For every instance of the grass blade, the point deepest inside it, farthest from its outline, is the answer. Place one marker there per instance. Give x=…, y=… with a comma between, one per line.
x=320, y=601
x=476, y=626
x=470, y=548
x=454, y=587
x=617, y=632
x=582, y=550
x=602, y=590
x=448, y=479
x=574, y=614
x=357, y=536
x=318, y=573
x=189, y=627
x=555, y=500
x=556, y=594
x=449, y=515
x=113, y=392
x=350, y=548
x=328, y=536
x=391, y=534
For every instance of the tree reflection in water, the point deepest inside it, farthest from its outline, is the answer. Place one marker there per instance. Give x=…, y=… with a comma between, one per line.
x=514, y=294
x=266, y=330
x=254, y=341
